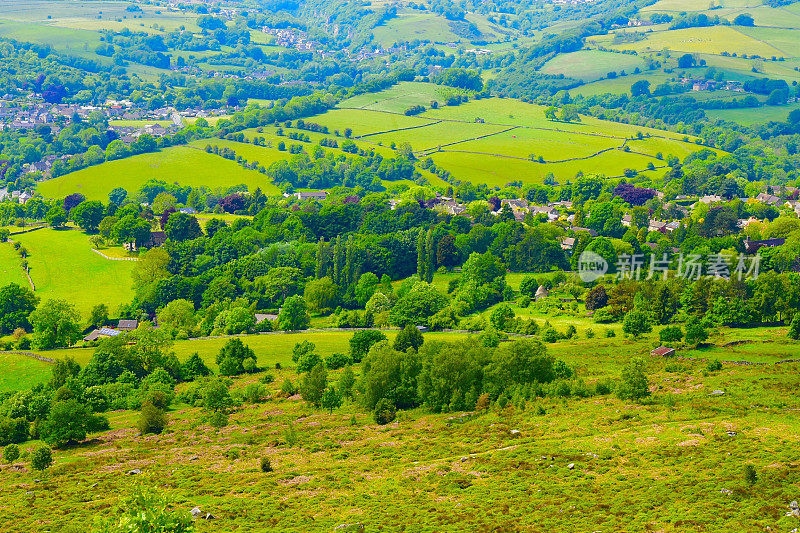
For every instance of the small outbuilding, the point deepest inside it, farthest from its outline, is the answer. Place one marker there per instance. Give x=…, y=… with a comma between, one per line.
x=541, y=292
x=663, y=351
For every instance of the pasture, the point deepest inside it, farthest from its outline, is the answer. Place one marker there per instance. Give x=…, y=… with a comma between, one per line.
x=753, y=116
x=401, y=96
x=183, y=165
x=590, y=65
x=10, y=269
x=621, y=84
x=498, y=140
x=414, y=25
x=21, y=372
x=63, y=266
x=711, y=40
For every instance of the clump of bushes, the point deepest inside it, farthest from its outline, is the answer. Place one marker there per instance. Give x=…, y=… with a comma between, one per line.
x=151, y=420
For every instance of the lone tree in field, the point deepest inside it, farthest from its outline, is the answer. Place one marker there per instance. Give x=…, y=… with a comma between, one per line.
x=695, y=332
x=41, y=457
x=636, y=323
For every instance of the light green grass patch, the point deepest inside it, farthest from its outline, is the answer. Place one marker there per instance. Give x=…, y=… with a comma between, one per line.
x=366, y=122
x=10, y=267
x=21, y=372
x=414, y=25
x=498, y=171
x=63, y=266
x=435, y=135
x=785, y=41
x=757, y=115
x=401, y=96
x=654, y=145
x=553, y=146
x=177, y=164
x=588, y=65
x=712, y=40
x=510, y=112
x=621, y=84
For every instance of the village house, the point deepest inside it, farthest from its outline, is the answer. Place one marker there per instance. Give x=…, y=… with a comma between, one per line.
x=769, y=199
x=711, y=199
x=751, y=247
x=657, y=225
x=261, y=317
x=311, y=195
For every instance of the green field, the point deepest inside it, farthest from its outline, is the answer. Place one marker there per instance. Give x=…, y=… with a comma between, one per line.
x=366, y=122
x=711, y=40
x=492, y=140
x=400, y=97
x=414, y=25
x=590, y=65
x=621, y=84
x=179, y=164
x=498, y=171
x=21, y=372
x=750, y=116
x=63, y=266
x=10, y=269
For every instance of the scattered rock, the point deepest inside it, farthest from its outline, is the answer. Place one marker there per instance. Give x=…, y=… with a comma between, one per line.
x=731, y=433
x=571, y=466
x=134, y=472
x=726, y=491
x=209, y=516
x=196, y=512
x=718, y=392
x=514, y=432
x=37, y=480
x=794, y=505
x=464, y=459
x=356, y=527
x=93, y=485
x=195, y=458
x=29, y=493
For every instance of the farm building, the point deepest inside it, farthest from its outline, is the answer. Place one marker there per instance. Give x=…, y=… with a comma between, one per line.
x=128, y=325
x=101, y=333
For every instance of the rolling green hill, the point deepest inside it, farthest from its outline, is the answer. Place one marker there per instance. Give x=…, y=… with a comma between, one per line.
x=179, y=164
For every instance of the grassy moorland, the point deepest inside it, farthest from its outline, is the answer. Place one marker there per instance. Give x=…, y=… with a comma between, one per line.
x=670, y=463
